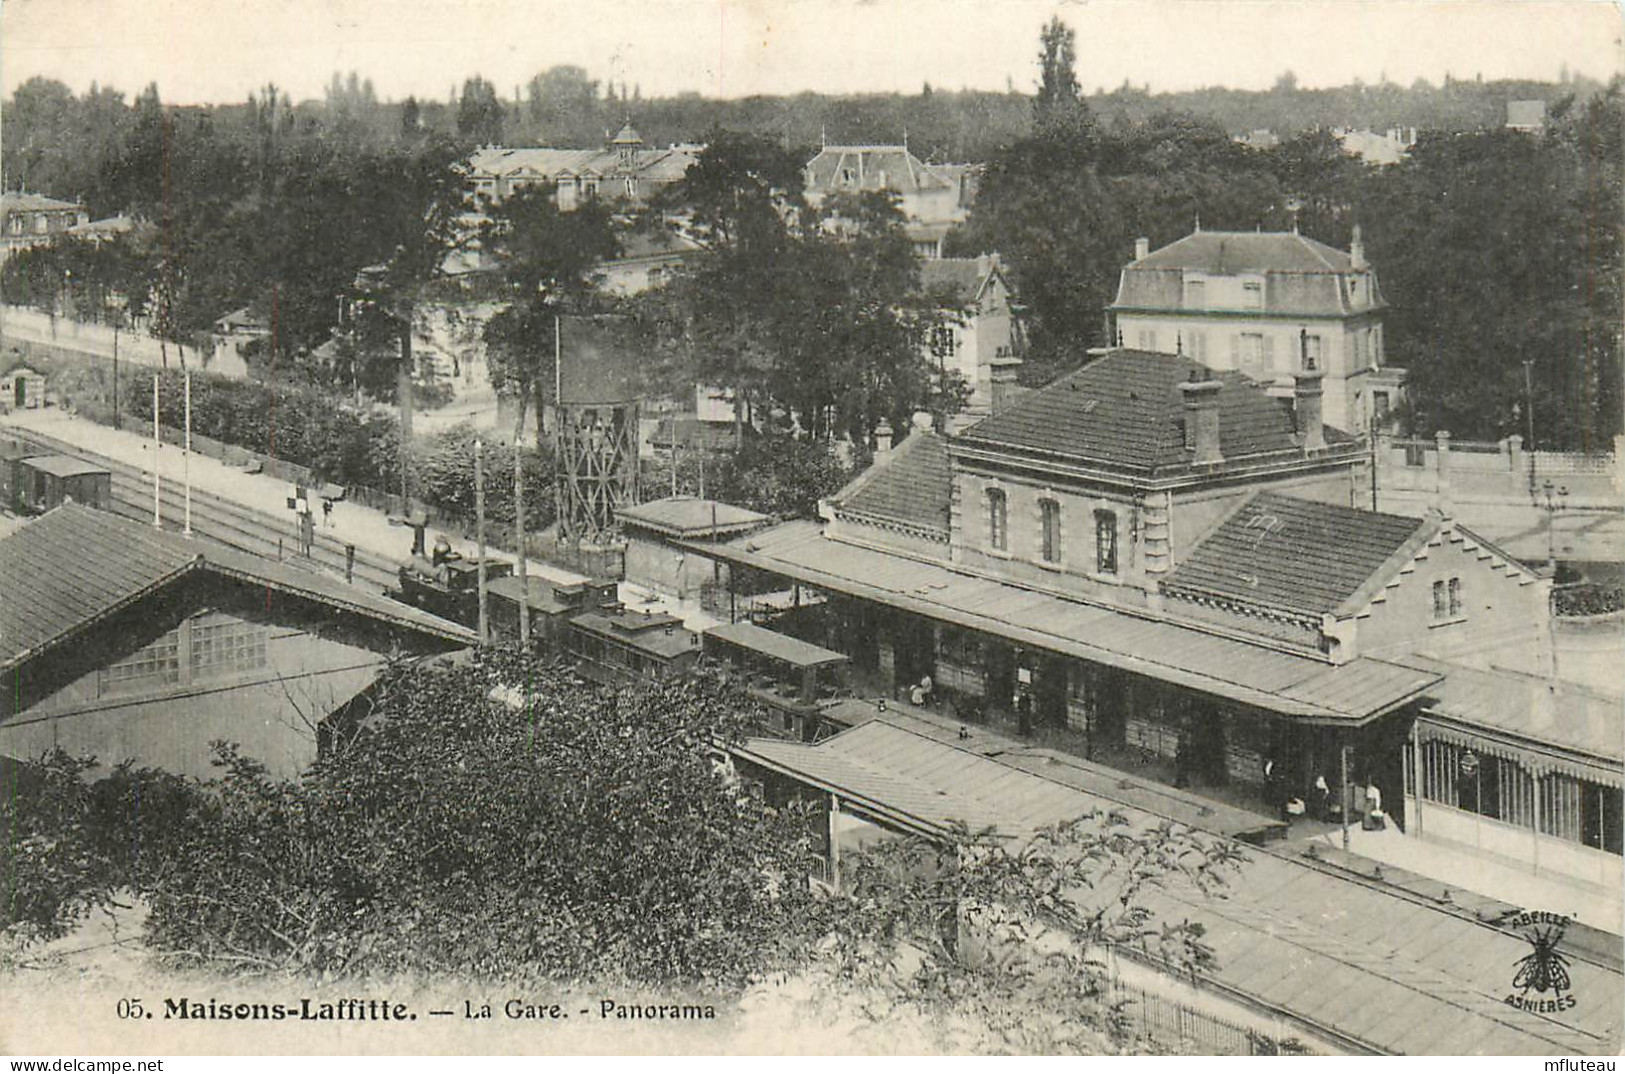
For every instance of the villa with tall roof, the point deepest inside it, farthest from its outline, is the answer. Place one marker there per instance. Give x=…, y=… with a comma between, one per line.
x=1265, y=304
x=932, y=197
x=623, y=167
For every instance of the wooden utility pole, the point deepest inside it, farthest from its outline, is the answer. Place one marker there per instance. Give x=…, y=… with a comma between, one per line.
x=519, y=542
x=157, y=445
x=1343, y=788
x=479, y=536
x=186, y=454
x=558, y=424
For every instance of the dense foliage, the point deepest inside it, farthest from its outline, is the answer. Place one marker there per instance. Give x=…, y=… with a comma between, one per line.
x=83, y=146
x=54, y=873
x=584, y=833
x=503, y=819
x=810, y=317
x=546, y=261
x=1498, y=248
x=1494, y=247
x=777, y=475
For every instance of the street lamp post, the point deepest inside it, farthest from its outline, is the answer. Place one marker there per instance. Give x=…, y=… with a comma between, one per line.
x=1556, y=497
x=1529, y=411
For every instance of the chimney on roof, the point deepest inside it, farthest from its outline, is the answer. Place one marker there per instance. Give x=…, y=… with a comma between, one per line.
x=1357, y=251
x=1202, y=420
x=1142, y=249
x=1306, y=409
x=883, y=434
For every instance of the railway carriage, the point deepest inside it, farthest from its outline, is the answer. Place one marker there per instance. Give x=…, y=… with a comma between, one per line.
x=794, y=678
x=33, y=481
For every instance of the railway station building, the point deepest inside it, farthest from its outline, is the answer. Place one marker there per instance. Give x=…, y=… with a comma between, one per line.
x=1164, y=567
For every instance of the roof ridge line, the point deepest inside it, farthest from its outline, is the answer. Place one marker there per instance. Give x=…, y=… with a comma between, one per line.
x=1419, y=538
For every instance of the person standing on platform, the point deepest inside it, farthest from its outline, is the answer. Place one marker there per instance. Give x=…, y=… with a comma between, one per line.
x=1323, y=798
x=1374, y=820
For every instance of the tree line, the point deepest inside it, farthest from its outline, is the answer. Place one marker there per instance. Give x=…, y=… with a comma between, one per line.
x=1495, y=247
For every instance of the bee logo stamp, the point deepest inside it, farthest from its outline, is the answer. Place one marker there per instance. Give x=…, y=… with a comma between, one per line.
x=1541, y=979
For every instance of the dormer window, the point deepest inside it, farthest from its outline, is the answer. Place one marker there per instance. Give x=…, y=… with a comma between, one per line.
x=1196, y=294
x=1252, y=294
x=1311, y=353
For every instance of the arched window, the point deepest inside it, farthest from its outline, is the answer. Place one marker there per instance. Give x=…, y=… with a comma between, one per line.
x=998, y=520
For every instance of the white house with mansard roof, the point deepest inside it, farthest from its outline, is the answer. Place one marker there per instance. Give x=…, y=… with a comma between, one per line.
x=1267, y=304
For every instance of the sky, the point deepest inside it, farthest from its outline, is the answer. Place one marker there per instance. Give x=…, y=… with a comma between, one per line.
x=201, y=51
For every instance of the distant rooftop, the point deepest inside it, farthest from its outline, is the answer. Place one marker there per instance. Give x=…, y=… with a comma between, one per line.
x=962, y=277
x=1301, y=276
x=25, y=201
x=1126, y=411
x=1248, y=251
x=1526, y=115
x=872, y=167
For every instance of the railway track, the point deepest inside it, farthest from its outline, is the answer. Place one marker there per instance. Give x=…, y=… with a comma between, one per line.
x=220, y=520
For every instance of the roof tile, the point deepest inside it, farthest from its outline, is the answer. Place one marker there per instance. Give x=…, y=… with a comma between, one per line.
x=1125, y=411
x=75, y=564
x=1283, y=552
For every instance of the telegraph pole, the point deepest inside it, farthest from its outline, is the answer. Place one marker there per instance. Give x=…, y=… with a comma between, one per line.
x=1529, y=407
x=479, y=534
x=186, y=453
x=157, y=446
x=519, y=542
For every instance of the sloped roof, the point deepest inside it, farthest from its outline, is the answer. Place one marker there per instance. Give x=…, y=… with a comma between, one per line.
x=1379, y=967
x=687, y=516
x=110, y=225
x=1185, y=653
x=27, y=202
x=1125, y=411
x=912, y=485
x=793, y=651
x=1222, y=252
x=1529, y=707
x=64, y=466
x=75, y=565
x=1282, y=552
x=548, y=162
x=873, y=167
x=660, y=242
x=962, y=277
x=1302, y=277
x=1526, y=113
